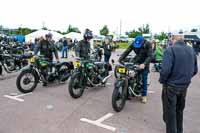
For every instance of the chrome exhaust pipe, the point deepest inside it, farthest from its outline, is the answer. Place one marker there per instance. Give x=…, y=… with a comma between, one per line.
x=106, y=78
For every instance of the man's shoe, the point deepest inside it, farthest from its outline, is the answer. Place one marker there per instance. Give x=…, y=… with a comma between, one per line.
x=144, y=99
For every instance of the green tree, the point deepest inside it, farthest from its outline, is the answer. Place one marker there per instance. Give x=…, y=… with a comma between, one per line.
x=72, y=29
x=161, y=36
x=133, y=33
x=145, y=29
x=194, y=30
x=104, y=31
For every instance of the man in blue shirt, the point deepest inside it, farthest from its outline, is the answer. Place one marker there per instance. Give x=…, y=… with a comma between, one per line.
x=179, y=65
x=65, y=48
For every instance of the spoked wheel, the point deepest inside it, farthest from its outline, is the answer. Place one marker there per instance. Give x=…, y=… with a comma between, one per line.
x=26, y=81
x=76, y=86
x=119, y=96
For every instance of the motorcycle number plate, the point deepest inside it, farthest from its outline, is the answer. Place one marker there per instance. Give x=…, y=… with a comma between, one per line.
x=32, y=60
x=121, y=70
x=77, y=64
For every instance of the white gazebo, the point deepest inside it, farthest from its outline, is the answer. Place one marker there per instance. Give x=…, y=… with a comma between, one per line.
x=74, y=35
x=41, y=33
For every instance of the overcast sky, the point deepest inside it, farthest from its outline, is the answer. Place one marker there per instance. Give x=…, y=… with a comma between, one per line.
x=162, y=15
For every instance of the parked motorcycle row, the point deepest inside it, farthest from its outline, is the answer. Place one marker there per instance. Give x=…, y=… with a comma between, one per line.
x=82, y=73
x=13, y=57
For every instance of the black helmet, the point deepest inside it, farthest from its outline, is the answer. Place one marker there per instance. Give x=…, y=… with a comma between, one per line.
x=88, y=34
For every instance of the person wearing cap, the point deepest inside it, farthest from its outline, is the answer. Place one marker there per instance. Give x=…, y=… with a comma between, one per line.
x=179, y=65
x=83, y=46
x=143, y=51
x=47, y=48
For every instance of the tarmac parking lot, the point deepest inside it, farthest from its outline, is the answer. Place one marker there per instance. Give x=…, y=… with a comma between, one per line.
x=52, y=110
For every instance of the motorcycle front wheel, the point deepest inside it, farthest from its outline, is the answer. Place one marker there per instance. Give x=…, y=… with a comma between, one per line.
x=27, y=81
x=76, y=86
x=119, y=96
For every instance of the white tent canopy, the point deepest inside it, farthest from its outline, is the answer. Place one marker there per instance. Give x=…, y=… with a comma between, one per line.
x=74, y=35
x=41, y=33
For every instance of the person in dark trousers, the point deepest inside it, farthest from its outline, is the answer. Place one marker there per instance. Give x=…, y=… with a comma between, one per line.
x=83, y=46
x=65, y=49
x=179, y=65
x=143, y=51
x=107, y=50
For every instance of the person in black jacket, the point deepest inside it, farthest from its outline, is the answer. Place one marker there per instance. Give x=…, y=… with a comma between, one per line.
x=179, y=65
x=83, y=46
x=143, y=51
x=47, y=48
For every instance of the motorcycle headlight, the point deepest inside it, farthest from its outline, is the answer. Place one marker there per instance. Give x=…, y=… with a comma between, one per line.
x=121, y=70
x=77, y=63
x=32, y=60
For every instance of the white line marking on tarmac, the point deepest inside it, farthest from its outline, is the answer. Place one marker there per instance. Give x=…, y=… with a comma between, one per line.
x=17, y=97
x=14, y=98
x=24, y=94
x=151, y=92
x=99, y=122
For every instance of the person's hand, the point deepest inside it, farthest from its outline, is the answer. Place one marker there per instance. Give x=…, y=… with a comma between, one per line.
x=142, y=66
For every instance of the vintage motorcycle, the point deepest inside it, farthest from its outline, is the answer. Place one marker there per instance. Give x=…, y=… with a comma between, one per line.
x=88, y=73
x=128, y=83
x=41, y=70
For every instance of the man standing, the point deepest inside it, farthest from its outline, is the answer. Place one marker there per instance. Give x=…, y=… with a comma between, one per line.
x=179, y=65
x=143, y=51
x=65, y=48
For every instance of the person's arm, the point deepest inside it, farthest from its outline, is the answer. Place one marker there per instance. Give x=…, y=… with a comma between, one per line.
x=149, y=54
x=126, y=53
x=195, y=65
x=166, y=67
x=37, y=48
x=78, y=49
x=55, y=51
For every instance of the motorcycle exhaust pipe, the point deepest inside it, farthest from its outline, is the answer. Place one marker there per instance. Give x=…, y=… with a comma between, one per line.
x=106, y=78
x=66, y=77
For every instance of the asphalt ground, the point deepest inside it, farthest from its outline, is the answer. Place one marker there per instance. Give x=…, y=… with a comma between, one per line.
x=52, y=110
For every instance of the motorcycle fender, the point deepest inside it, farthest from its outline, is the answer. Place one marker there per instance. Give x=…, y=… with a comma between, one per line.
x=30, y=68
x=74, y=74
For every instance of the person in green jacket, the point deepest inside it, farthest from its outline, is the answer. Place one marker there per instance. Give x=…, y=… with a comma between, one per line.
x=158, y=55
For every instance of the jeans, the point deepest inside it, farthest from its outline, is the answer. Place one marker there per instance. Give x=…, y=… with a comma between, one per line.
x=173, y=100
x=64, y=49
x=107, y=58
x=144, y=73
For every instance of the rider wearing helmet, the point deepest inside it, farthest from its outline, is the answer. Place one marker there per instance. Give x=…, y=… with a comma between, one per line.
x=47, y=48
x=83, y=47
x=143, y=51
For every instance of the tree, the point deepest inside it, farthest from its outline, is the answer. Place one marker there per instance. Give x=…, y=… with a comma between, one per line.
x=194, y=30
x=104, y=31
x=133, y=33
x=72, y=29
x=145, y=29
x=161, y=36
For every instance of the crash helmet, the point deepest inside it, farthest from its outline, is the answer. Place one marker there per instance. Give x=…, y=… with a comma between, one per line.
x=88, y=34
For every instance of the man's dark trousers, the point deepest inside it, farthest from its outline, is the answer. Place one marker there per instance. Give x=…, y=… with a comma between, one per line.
x=173, y=100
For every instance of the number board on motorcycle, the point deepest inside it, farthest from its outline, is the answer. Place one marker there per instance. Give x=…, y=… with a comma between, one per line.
x=121, y=70
x=77, y=63
x=32, y=60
